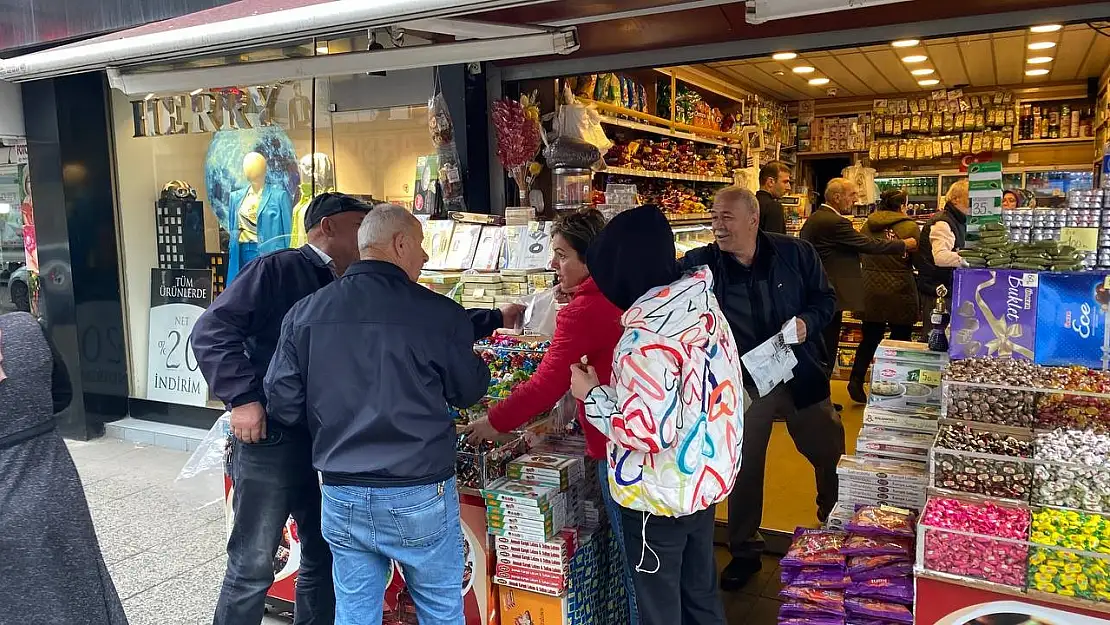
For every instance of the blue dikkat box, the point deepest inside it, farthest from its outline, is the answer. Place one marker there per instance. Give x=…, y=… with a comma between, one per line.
x=1072, y=319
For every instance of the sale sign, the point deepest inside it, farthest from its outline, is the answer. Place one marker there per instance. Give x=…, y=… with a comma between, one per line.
x=178, y=297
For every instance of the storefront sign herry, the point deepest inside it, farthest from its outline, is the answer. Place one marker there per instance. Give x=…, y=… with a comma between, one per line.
x=230, y=109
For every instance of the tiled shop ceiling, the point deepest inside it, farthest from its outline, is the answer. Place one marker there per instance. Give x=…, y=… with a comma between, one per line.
x=982, y=60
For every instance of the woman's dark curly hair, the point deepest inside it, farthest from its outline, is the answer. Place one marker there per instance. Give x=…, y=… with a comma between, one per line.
x=892, y=200
x=579, y=229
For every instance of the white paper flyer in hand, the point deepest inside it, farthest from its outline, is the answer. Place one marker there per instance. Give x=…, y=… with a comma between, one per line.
x=770, y=364
x=790, y=331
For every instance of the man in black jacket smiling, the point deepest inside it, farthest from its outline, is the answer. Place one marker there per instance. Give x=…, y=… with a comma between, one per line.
x=370, y=364
x=762, y=281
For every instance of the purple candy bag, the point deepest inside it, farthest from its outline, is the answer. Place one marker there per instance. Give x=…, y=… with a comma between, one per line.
x=815, y=548
x=827, y=578
x=882, y=521
x=829, y=601
x=859, y=606
x=895, y=590
x=862, y=568
x=812, y=620
x=806, y=610
x=857, y=620
x=860, y=545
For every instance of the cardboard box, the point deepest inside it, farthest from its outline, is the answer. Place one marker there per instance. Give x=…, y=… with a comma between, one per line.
x=908, y=385
x=880, y=417
x=522, y=492
x=1073, y=319
x=994, y=313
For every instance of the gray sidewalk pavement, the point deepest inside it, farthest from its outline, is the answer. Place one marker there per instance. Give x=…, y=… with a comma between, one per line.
x=167, y=559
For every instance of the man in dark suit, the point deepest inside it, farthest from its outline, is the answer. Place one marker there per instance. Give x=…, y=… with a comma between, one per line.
x=774, y=182
x=839, y=246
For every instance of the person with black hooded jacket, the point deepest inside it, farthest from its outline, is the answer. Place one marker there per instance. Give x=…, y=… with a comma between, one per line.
x=889, y=287
x=762, y=281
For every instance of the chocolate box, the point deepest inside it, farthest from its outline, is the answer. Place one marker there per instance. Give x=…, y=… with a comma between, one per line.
x=994, y=313
x=1073, y=319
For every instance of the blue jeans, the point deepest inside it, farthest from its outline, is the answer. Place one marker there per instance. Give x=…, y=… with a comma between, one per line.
x=416, y=526
x=613, y=510
x=274, y=480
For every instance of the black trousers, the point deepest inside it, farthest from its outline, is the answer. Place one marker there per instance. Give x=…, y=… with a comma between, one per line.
x=818, y=435
x=873, y=332
x=681, y=588
x=831, y=334
x=274, y=480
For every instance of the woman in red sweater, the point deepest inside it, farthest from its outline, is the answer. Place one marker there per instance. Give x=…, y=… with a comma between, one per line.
x=589, y=326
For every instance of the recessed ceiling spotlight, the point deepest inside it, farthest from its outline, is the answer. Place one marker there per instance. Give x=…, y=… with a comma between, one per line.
x=818, y=81
x=1042, y=45
x=905, y=43
x=779, y=72
x=804, y=69
x=784, y=56
x=1036, y=72
x=1039, y=60
x=924, y=71
x=1047, y=28
x=928, y=82
x=915, y=58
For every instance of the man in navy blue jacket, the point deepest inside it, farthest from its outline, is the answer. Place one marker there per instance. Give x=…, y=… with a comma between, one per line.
x=369, y=364
x=271, y=468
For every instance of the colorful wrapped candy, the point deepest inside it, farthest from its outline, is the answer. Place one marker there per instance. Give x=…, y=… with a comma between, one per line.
x=812, y=547
x=1084, y=575
x=977, y=555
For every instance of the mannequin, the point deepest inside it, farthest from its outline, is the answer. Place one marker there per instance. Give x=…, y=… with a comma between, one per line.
x=259, y=216
x=317, y=176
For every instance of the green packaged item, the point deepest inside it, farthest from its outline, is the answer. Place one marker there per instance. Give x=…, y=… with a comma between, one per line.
x=975, y=262
x=996, y=263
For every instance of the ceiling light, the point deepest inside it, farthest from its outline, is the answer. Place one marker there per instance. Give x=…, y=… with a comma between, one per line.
x=196, y=91
x=924, y=71
x=1047, y=28
x=804, y=69
x=1039, y=60
x=905, y=43
x=1036, y=72
x=928, y=82
x=779, y=72
x=915, y=58
x=148, y=97
x=1042, y=45
x=784, y=56
x=322, y=48
x=818, y=81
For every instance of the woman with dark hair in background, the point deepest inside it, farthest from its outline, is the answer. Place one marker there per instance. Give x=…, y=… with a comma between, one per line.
x=672, y=415
x=51, y=567
x=890, y=291
x=1011, y=199
x=588, y=327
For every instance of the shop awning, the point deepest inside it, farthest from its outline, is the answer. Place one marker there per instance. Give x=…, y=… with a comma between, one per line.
x=251, y=23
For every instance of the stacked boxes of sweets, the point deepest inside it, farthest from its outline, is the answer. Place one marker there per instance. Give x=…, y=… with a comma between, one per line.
x=862, y=574
x=480, y=290
x=527, y=521
x=899, y=424
x=442, y=282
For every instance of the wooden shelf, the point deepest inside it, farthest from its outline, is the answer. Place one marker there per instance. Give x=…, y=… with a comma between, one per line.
x=835, y=153
x=665, y=132
x=660, y=122
x=676, y=218
x=641, y=173
x=1033, y=142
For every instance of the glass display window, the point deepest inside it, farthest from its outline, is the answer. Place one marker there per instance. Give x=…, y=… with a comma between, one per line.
x=211, y=179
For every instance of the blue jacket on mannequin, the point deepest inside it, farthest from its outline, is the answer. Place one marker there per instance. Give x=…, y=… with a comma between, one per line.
x=275, y=215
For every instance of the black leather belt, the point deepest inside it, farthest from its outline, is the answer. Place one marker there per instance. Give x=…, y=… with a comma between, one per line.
x=11, y=440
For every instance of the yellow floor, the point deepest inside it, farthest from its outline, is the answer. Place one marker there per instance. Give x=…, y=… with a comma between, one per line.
x=789, y=489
